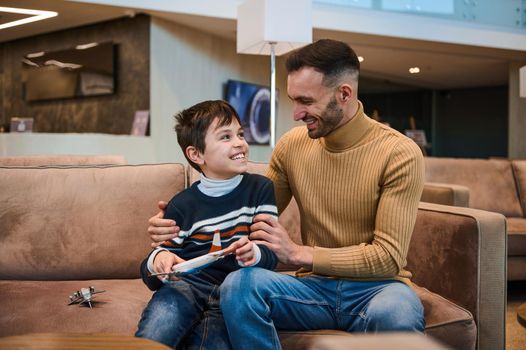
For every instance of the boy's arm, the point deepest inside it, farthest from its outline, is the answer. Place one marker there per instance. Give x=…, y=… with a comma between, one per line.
x=268, y=260
x=152, y=282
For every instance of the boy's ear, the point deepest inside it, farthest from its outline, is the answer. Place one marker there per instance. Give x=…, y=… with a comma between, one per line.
x=194, y=155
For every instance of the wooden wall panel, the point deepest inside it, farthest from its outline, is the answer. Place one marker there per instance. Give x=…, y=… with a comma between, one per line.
x=96, y=114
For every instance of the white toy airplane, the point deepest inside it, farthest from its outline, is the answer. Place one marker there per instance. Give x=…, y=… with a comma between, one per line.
x=197, y=264
x=84, y=295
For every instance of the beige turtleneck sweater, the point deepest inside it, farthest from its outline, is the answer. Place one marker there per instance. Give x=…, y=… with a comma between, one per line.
x=358, y=191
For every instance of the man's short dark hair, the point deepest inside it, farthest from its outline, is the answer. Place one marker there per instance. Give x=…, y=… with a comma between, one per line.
x=331, y=57
x=192, y=124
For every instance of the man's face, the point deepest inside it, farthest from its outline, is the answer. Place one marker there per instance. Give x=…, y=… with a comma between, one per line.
x=226, y=151
x=314, y=103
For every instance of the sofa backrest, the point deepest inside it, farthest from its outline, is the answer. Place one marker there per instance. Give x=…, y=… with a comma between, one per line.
x=80, y=222
x=63, y=160
x=519, y=170
x=490, y=181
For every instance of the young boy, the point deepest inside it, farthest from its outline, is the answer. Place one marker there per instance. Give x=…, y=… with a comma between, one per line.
x=184, y=311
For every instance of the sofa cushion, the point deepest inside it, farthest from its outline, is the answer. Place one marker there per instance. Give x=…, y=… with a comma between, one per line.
x=491, y=182
x=519, y=170
x=446, y=322
x=80, y=222
x=446, y=194
x=42, y=306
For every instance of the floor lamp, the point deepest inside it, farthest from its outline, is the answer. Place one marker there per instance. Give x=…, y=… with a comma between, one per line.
x=273, y=27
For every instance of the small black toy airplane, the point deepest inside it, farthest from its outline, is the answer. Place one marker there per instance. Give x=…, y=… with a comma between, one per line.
x=84, y=295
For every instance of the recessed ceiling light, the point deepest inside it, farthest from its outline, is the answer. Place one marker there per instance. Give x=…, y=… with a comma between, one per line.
x=361, y=59
x=414, y=70
x=35, y=15
x=86, y=46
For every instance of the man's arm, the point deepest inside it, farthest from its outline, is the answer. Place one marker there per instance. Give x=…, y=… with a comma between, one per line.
x=160, y=229
x=268, y=232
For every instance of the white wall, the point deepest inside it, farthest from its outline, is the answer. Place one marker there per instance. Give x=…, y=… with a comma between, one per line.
x=187, y=67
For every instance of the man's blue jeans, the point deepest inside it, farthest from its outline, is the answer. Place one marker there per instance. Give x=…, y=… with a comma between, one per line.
x=255, y=302
x=185, y=314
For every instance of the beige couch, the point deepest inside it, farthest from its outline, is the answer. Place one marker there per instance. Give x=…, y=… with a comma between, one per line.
x=497, y=185
x=63, y=160
x=63, y=228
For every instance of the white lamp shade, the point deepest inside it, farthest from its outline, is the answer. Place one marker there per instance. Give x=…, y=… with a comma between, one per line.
x=522, y=82
x=288, y=23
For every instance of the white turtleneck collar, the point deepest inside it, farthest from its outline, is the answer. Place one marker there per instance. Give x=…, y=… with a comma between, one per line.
x=218, y=188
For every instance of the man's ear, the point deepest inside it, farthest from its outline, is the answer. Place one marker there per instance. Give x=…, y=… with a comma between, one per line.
x=194, y=155
x=345, y=93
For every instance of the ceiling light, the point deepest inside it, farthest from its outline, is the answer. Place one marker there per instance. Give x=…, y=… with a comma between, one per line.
x=414, y=70
x=361, y=59
x=62, y=64
x=35, y=15
x=35, y=54
x=86, y=46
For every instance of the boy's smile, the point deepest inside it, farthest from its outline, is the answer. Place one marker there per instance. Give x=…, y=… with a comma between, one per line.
x=226, y=151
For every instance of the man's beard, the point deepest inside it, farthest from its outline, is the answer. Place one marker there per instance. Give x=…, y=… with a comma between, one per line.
x=329, y=119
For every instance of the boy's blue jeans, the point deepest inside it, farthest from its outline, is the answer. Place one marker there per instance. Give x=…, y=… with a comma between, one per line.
x=255, y=302
x=185, y=314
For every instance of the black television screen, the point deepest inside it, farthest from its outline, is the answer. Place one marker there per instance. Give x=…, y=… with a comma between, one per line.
x=252, y=103
x=85, y=70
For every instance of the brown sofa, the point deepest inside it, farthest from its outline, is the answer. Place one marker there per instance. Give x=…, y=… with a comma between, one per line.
x=497, y=185
x=63, y=228
x=63, y=160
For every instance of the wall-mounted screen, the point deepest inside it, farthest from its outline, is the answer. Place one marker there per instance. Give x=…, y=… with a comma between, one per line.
x=252, y=103
x=85, y=70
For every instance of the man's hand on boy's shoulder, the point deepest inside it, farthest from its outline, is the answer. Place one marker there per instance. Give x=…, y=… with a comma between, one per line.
x=160, y=229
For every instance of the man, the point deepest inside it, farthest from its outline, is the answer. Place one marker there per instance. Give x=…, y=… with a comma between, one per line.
x=357, y=184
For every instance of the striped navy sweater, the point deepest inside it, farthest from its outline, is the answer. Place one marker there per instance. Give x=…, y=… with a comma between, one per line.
x=199, y=216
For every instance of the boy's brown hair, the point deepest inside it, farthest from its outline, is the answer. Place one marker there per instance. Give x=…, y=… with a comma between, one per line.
x=193, y=123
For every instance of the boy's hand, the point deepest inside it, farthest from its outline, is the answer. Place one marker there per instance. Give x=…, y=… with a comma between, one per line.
x=163, y=262
x=160, y=229
x=244, y=251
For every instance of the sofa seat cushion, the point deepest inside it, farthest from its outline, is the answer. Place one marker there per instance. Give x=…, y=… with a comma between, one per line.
x=446, y=322
x=516, y=228
x=42, y=306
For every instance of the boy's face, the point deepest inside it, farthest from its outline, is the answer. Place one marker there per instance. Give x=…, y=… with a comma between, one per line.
x=226, y=151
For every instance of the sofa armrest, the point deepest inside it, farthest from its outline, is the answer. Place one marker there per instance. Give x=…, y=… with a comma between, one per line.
x=446, y=194
x=460, y=254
